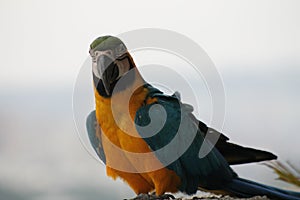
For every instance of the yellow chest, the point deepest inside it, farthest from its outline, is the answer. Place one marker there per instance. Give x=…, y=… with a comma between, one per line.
x=120, y=139
x=116, y=118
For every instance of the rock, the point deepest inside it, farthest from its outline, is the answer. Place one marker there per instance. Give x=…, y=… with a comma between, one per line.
x=224, y=198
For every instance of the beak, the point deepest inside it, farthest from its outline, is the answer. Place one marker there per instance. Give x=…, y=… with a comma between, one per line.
x=109, y=72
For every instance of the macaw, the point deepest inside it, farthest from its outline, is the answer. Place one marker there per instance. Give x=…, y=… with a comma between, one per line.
x=108, y=127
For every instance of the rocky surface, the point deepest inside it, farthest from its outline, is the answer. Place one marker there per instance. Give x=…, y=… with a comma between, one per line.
x=207, y=197
x=224, y=198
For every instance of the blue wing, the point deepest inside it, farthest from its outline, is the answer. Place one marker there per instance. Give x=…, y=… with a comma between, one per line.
x=181, y=132
x=94, y=133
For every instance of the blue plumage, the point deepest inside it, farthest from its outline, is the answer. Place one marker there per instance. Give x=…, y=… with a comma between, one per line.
x=247, y=188
x=186, y=139
x=180, y=130
x=93, y=128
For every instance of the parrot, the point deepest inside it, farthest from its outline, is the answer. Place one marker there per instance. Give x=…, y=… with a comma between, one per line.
x=119, y=128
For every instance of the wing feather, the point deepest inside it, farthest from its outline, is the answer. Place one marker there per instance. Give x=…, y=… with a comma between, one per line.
x=94, y=133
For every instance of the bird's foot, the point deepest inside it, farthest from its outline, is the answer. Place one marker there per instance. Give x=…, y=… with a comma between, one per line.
x=153, y=196
x=165, y=197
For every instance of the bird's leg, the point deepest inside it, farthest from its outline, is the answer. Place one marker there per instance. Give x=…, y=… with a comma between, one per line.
x=165, y=197
x=153, y=196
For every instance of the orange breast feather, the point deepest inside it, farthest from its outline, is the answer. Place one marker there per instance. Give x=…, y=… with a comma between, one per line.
x=127, y=155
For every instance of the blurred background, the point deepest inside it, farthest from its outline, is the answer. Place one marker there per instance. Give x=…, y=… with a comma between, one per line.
x=254, y=45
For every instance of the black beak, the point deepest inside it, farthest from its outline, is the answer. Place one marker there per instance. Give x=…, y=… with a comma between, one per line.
x=109, y=73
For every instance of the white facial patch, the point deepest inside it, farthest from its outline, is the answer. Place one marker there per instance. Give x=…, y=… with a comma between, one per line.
x=96, y=70
x=123, y=66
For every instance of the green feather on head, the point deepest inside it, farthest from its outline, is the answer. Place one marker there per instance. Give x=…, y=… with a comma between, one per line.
x=105, y=42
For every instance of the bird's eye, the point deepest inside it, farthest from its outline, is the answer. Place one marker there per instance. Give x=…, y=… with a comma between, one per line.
x=94, y=56
x=109, y=52
x=121, y=49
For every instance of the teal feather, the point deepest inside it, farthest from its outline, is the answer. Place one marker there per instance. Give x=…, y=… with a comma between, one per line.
x=93, y=127
x=210, y=171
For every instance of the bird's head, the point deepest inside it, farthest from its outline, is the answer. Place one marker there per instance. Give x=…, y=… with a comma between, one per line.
x=110, y=61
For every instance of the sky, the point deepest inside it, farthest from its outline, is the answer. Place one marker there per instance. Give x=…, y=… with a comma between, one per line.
x=46, y=39
x=254, y=45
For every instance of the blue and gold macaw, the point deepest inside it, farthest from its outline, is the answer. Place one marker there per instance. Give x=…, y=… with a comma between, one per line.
x=108, y=127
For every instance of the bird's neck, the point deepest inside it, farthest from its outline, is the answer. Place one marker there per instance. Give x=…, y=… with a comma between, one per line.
x=130, y=97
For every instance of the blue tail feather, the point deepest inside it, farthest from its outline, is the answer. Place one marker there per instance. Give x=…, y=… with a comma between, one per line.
x=245, y=188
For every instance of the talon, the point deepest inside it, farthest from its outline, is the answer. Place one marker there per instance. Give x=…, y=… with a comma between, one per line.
x=153, y=196
x=166, y=197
